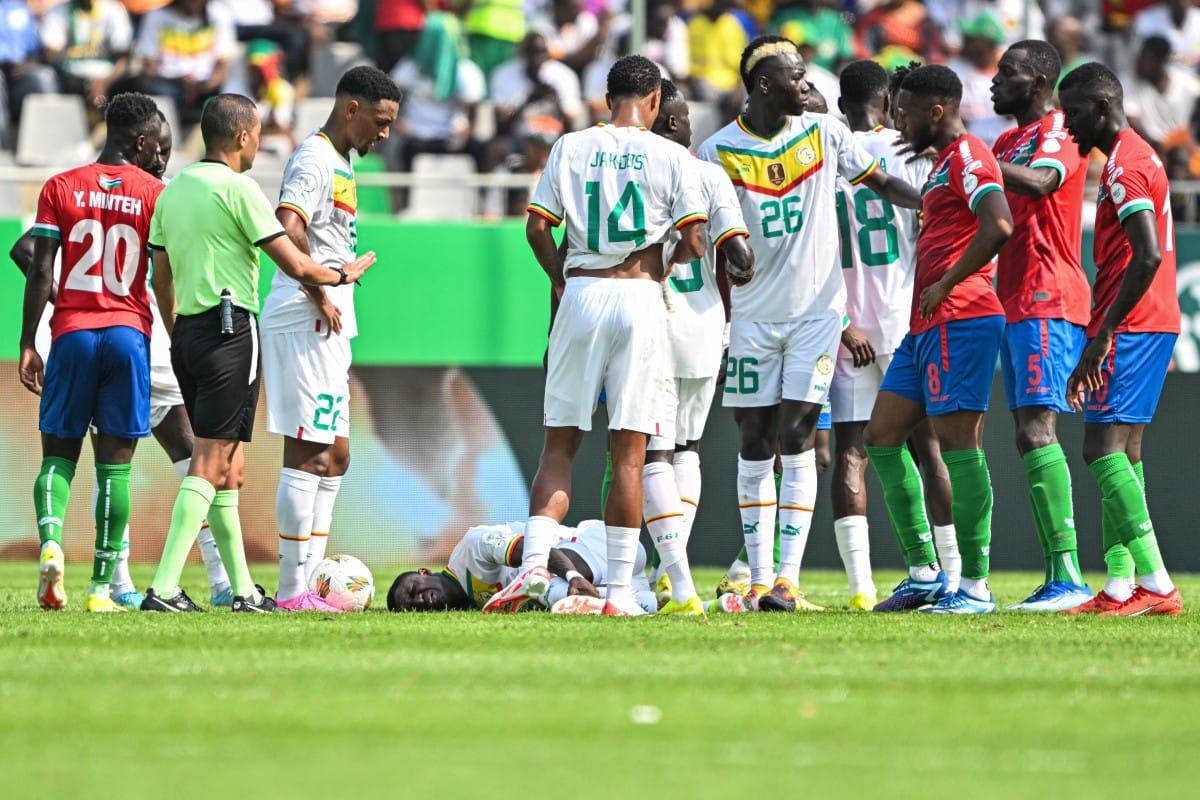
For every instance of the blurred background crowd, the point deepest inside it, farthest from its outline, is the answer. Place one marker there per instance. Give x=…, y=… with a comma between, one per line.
x=493, y=83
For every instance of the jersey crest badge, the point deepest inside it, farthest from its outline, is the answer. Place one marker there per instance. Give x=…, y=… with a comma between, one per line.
x=776, y=174
x=108, y=184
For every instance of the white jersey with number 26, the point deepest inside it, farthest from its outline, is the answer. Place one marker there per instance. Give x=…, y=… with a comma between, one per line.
x=879, y=244
x=620, y=189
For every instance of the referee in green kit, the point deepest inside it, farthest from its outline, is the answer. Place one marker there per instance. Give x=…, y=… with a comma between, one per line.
x=207, y=229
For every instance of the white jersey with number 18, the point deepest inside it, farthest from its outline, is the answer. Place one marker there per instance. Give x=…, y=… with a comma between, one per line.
x=620, y=189
x=879, y=245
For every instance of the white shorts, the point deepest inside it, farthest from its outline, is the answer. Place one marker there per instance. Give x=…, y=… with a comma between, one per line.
x=164, y=387
x=854, y=389
x=774, y=361
x=308, y=385
x=610, y=334
x=689, y=400
x=591, y=543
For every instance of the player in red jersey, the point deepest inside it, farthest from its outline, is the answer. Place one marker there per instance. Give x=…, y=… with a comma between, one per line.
x=98, y=370
x=943, y=368
x=1132, y=332
x=1046, y=301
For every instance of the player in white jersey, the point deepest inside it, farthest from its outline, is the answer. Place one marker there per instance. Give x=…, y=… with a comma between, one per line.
x=695, y=328
x=489, y=556
x=621, y=190
x=786, y=323
x=878, y=260
x=168, y=418
x=306, y=330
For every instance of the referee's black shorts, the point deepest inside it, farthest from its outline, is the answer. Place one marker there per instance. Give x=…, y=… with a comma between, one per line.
x=218, y=374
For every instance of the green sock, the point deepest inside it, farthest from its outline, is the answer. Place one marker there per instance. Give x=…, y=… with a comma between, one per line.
x=1050, y=494
x=1125, y=504
x=226, y=527
x=742, y=555
x=112, y=518
x=1117, y=558
x=1140, y=472
x=51, y=493
x=905, y=498
x=191, y=507
x=606, y=482
x=972, y=509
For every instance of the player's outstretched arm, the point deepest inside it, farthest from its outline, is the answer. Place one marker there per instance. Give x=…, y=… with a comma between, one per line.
x=1030, y=181
x=39, y=280
x=1141, y=228
x=739, y=260
x=302, y=268
x=297, y=230
x=893, y=190
x=995, y=228
x=163, y=281
x=545, y=250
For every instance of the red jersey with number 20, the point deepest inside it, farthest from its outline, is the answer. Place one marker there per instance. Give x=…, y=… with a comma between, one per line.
x=1039, y=275
x=1134, y=180
x=101, y=215
x=963, y=173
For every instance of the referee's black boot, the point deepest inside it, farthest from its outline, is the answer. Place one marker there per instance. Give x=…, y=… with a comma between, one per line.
x=264, y=606
x=177, y=604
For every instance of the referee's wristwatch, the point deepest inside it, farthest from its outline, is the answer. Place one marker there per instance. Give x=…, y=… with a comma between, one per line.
x=342, y=276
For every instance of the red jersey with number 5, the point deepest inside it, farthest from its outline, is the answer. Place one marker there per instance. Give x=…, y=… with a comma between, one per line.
x=1038, y=274
x=1134, y=180
x=101, y=215
x=963, y=173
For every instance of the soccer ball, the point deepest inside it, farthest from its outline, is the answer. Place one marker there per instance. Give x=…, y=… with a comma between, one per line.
x=344, y=582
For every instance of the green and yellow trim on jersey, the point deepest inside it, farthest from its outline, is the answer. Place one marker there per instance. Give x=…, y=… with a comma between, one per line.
x=477, y=591
x=688, y=219
x=46, y=231
x=293, y=207
x=542, y=211
x=746, y=129
x=777, y=172
x=511, y=550
x=729, y=234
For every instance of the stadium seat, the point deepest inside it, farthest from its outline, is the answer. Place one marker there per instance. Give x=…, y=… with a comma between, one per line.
x=706, y=120
x=436, y=193
x=330, y=62
x=54, y=131
x=311, y=113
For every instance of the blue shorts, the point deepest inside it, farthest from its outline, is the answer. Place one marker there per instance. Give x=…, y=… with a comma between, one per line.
x=1133, y=379
x=948, y=368
x=825, y=421
x=1037, y=357
x=97, y=377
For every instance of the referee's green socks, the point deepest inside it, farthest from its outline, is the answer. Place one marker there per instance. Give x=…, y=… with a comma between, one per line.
x=112, y=518
x=905, y=498
x=226, y=527
x=191, y=507
x=51, y=493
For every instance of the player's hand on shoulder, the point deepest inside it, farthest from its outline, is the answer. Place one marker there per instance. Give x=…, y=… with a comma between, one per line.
x=859, y=346
x=31, y=370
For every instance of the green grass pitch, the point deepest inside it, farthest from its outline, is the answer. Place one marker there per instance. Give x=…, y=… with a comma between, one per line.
x=833, y=705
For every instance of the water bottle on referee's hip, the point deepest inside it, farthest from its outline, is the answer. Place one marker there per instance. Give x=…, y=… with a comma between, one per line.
x=226, y=313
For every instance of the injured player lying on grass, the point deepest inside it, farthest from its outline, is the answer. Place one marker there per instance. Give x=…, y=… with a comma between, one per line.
x=489, y=558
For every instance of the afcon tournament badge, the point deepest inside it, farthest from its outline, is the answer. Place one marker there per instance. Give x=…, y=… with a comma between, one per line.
x=806, y=156
x=970, y=183
x=775, y=174
x=1118, y=193
x=825, y=364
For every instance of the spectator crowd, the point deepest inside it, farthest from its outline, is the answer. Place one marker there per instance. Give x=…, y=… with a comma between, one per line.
x=500, y=80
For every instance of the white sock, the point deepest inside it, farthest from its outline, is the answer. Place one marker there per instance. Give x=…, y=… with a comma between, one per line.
x=539, y=538
x=757, y=502
x=327, y=494
x=854, y=544
x=687, y=479
x=926, y=573
x=663, y=512
x=797, y=498
x=218, y=578
x=1158, y=582
x=1119, y=588
x=294, y=502
x=975, y=587
x=622, y=544
x=946, y=542
x=121, y=581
